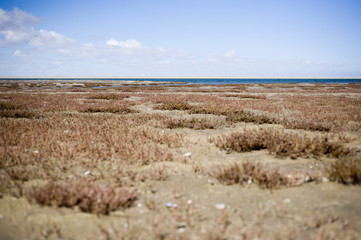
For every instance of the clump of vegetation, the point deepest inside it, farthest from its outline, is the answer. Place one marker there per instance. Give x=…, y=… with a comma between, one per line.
x=120, y=110
x=250, y=96
x=281, y=143
x=194, y=123
x=246, y=116
x=8, y=106
x=17, y=114
x=108, y=96
x=175, y=105
x=88, y=196
x=310, y=125
x=10, y=110
x=346, y=170
x=252, y=173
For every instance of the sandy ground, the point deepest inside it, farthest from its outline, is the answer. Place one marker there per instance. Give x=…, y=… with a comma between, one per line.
x=192, y=204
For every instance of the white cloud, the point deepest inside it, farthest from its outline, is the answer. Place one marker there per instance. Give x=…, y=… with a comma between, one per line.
x=19, y=53
x=128, y=44
x=45, y=38
x=15, y=19
x=17, y=27
x=230, y=54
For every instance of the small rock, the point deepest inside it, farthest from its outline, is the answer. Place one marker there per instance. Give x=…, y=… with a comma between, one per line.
x=286, y=200
x=289, y=176
x=87, y=173
x=187, y=154
x=220, y=206
x=1, y=216
x=189, y=201
x=168, y=204
x=180, y=230
x=139, y=205
x=126, y=225
x=249, y=181
x=66, y=131
x=174, y=205
x=36, y=151
x=210, y=182
x=325, y=179
x=311, y=167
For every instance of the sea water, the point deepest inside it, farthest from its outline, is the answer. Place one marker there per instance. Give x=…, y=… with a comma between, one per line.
x=214, y=80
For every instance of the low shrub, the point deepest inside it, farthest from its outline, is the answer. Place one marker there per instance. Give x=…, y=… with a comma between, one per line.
x=108, y=96
x=252, y=173
x=310, y=125
x=10, y=110
x=281, y=143
x=250, y=96
x=246, y=116
x=176, y=105
x=194, y=123
x=18, y=114
x=346, y=170
x=8, y=106
x=82, y=193
x=120, y=110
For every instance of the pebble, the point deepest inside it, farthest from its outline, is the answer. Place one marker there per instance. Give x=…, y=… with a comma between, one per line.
x=180, y=230
x=287, y=200
x=189, y=201
x=325, y=179
x=36, y=151
x=87, y=173
x=1, y=216
x=171, y=205
x=139, y=205
x=289, y=176
x=66, y=131
x=187, y=154
x=220, y=206
x=249, y=181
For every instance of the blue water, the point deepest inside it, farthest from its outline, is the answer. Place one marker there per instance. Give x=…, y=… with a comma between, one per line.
x=215, y=80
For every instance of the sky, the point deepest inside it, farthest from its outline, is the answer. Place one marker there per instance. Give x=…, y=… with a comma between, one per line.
x=184, y=38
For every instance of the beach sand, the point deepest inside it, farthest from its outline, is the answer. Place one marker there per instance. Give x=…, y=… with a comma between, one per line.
x=165, y=142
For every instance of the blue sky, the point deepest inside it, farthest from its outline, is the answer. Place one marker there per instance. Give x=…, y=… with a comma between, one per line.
x=298, y=38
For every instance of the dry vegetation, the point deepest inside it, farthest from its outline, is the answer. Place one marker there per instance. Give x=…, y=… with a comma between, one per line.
x=253, y=173
x=83, y=193
x=179, y=162
x=282, y=143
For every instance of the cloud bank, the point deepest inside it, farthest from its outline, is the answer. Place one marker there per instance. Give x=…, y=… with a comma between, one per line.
x=128, y=44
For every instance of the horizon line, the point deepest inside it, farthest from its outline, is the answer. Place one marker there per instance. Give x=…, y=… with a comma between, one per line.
x=165, y=77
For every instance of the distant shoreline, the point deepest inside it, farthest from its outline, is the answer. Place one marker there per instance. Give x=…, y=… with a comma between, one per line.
x=187, y=80
x=120, y=77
